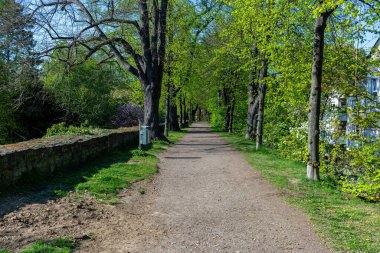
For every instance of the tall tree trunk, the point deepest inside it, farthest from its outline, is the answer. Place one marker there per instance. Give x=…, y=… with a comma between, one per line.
x=180, y=113
x=167, y=110
x=252, y=106
x=231, y=119
x=252, y=118
x=185, y=113
x=190, y=114
x=194, y=112
x=151, y=111
x=227, y=104
x=262, y=93
x=174, y=125
x=252, y=95
x=315, y=97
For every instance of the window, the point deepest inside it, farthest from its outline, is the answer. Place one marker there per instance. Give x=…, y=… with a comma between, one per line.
x=373, y=85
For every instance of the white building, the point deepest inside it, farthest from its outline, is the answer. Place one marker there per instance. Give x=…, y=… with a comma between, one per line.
x=346, y=105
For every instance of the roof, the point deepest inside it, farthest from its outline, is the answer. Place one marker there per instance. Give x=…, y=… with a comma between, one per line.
x=376, y=47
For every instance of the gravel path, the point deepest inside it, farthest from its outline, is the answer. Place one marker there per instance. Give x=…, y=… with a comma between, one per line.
x=208, y=199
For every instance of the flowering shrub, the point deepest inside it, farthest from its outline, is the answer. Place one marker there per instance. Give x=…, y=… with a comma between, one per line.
x=127, y=115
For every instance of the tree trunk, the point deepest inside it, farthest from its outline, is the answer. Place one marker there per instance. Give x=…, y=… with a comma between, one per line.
x=315, y=97
x=190, y=114
x=194, y=112
x=167, y=110
x=174, y=125
x=180, y=113
x=252, y=118
x=185, y=115
x=262, y=93
x=227, y=104
x=231, y=123
x=151, y=111
x=252, y=106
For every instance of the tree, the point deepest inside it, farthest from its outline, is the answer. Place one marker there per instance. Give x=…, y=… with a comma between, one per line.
x=323, y=12
x=27, y=109
x=110, y=27
x=315, y=94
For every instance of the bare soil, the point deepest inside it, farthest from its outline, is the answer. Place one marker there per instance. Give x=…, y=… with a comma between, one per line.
x=206, y=198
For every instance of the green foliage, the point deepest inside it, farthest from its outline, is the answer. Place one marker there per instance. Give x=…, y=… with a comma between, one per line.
x=356, y=169
x=7, y=121
x=61, y=129
x=84, y=91
x=59, y=245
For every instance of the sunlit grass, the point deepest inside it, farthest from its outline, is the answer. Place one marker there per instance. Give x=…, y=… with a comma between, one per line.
x=59, y=245
x=116, y=171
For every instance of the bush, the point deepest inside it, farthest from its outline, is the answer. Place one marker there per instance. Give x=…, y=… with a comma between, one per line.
x=61, y=129
x=357, y=169
x=127, y=115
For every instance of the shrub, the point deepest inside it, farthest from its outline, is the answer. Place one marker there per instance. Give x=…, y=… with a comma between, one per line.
x=127, y=115
x=61, y=129
x=357, y=169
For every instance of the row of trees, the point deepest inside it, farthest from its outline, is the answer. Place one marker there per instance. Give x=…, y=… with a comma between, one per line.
x=267, y=69
x=294, y=59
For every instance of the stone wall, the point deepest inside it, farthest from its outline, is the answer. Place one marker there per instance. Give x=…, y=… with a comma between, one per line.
x=47, y=155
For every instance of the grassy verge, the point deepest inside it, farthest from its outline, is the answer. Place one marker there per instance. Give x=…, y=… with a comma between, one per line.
x=118, y=170
x=346, y=223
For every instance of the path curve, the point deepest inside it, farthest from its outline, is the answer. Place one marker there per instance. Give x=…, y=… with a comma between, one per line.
x=208, y=199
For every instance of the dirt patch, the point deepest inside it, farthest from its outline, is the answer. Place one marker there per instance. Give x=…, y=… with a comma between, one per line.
x=81, y=217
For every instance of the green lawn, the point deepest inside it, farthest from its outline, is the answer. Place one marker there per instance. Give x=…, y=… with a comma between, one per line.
x=346, y=223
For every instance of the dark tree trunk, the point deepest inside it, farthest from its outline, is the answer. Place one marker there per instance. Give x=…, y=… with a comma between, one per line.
x=185, y=113
x=190, y=114
x=174, y=125
x=262, y=93
x=151, y=111
x=167, y=110
x=227, y=104
x=180, y=113
x=194, y=113
x=315, y=97
x=231, y=119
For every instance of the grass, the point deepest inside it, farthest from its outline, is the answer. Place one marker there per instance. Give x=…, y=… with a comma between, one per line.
x=59, y=245
x=118, y=170
x=346, y=223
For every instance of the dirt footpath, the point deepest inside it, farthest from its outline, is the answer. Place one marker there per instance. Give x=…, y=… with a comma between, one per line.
x=206, y=198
